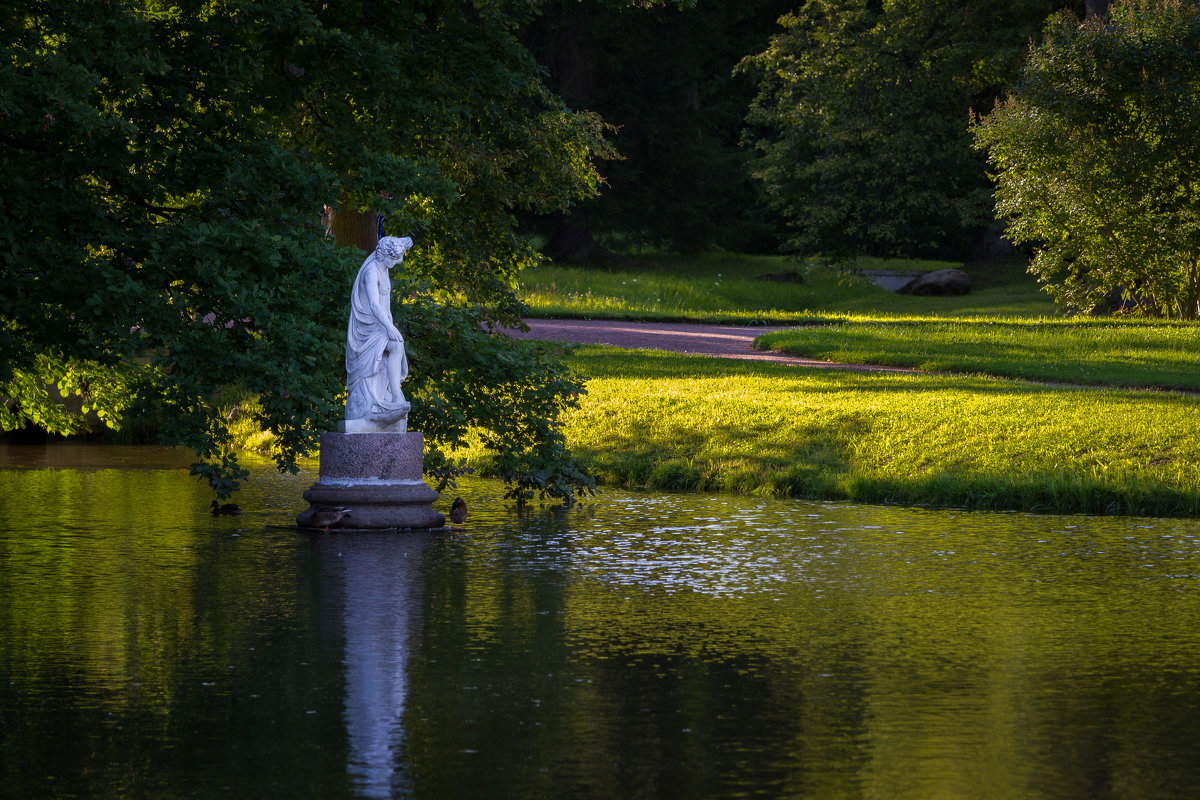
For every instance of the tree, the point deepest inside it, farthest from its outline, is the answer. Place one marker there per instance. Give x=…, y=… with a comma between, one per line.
x=663, y=77
x=164, y=169
x=1097, y=158
x=862, y=120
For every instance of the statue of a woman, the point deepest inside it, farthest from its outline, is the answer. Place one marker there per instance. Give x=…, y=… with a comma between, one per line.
x=375, y=361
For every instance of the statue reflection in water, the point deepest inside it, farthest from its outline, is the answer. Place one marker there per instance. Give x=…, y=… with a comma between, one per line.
x=372, y=584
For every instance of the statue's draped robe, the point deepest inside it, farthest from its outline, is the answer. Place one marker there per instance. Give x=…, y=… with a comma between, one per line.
x=366, y=342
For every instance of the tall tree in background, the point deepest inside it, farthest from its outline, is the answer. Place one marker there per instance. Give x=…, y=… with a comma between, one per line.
x=164, y=167
x=1097, y=153
x=663, y=77
x=863, y=116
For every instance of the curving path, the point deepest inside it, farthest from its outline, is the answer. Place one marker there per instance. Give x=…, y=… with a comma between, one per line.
x=730, y=341
x=721, y=341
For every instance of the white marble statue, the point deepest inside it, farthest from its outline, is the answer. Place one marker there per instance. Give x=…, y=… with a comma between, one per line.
x=375, y=361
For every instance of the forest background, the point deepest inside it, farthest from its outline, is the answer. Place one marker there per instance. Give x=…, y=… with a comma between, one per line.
x=839, y=127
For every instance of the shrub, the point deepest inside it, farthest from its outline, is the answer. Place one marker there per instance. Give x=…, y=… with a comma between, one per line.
x=1097, y=158
x=860, y=120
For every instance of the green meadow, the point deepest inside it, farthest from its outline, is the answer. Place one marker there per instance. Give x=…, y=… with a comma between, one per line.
x=1121, y=352
x=990, y=422
x=729, y=288
x=668, y=421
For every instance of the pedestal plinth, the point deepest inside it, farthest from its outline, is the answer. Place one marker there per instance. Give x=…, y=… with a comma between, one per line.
x=377, y=476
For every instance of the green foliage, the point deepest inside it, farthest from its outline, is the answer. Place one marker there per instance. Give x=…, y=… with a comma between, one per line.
x=1097, y=154
x=68, y=396
x=862, y=116
x=476, y=384
x=165, y=165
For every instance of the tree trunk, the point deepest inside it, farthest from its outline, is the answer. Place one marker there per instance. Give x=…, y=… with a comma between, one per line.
x=355, y=228
x=564, y=39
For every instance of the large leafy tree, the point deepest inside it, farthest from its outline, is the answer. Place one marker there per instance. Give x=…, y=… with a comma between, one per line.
x=164, y=167
x=862, y=119
x=1097, y=153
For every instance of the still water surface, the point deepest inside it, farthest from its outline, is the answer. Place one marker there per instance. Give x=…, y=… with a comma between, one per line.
x=638, y=645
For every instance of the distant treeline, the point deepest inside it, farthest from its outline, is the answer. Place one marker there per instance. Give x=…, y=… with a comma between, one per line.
x=832, y=126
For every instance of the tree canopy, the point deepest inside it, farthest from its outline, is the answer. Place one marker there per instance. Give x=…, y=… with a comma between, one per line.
x=165, y=166
x=862, y=120
x=1097, y=155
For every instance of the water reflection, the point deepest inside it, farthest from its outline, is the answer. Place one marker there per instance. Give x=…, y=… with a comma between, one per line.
x=374, y=585
x=642, y=645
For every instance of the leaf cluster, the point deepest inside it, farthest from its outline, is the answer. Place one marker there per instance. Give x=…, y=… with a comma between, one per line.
x=1097, y=158
x=471, y=383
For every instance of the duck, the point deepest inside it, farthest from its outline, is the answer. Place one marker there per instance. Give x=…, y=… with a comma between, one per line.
x=458, y=512
x=228, y=508
x=324, y=517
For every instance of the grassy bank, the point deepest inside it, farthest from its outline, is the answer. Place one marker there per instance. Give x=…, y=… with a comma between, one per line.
x=1122, y=352
x=668, y=421
x=728, y=288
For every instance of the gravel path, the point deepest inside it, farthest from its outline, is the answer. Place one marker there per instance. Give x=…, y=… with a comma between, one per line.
x=721, y=341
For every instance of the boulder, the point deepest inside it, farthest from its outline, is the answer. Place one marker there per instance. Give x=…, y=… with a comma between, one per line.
x=943, y=282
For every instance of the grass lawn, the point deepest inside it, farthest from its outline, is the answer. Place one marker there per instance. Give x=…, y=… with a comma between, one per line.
x=669, y=421
x=730, y=288
x=1122, y=352
x=1006, y=326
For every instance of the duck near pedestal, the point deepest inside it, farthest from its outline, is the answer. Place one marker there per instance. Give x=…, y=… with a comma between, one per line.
x=458, y=512
x=324, y=517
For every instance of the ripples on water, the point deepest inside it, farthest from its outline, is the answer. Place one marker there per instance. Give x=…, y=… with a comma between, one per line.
x=637, y=645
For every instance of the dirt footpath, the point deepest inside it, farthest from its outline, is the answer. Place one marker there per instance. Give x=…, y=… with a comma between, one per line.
x=720, y=341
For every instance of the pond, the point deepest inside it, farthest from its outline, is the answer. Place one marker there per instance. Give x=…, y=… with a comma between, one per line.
x=635, y=645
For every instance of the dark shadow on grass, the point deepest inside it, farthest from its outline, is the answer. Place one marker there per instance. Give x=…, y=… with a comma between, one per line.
x=1043, y=493
x=818, y=466
x=815, y=458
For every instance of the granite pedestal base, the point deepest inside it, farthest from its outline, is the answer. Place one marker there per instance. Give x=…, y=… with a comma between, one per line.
x=377, y=476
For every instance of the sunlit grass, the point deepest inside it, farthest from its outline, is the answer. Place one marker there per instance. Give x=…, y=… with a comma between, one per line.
x=241, y=410
x=725, y=287
x=1005, y=326
x=669, y=421
x=1126, y=352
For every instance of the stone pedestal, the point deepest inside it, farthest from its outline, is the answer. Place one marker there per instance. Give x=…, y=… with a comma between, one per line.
x=378, y=477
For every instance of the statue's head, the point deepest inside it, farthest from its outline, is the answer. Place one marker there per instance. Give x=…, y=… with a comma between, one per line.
x=392, y=248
